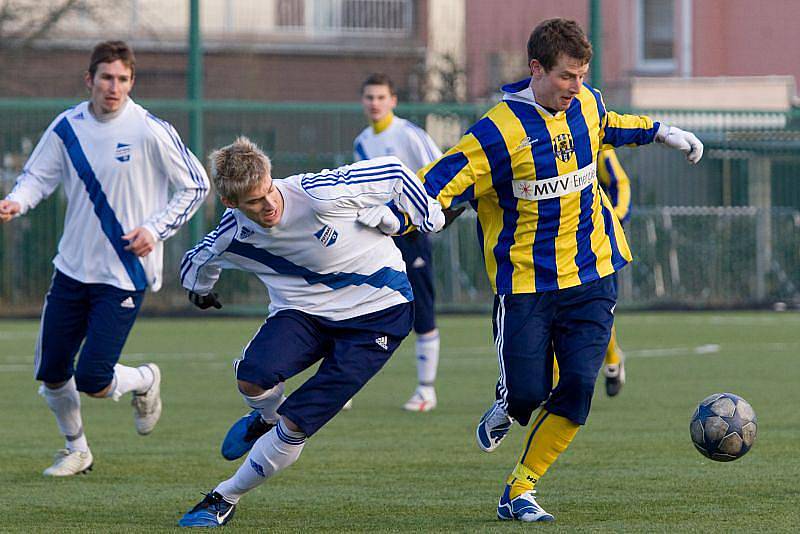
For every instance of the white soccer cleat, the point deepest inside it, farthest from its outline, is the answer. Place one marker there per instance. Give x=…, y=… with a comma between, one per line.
x=147, y=405
x=67, y=463
x=521, y=508
x=493, y=427
x=423, y=400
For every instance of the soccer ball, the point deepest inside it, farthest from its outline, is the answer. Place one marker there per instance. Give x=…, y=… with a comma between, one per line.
x=723, y=427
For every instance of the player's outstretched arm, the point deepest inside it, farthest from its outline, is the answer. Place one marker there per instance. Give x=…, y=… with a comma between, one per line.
x=8, y=210
x=684, y=141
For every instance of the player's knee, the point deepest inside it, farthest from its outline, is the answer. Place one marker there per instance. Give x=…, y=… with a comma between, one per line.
x=92, y=384
x=250, y=389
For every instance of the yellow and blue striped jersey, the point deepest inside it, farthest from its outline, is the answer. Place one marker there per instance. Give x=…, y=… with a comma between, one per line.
x=615, y=182
x=543, y=222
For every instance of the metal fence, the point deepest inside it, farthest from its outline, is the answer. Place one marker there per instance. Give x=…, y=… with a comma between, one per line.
x=725, y=233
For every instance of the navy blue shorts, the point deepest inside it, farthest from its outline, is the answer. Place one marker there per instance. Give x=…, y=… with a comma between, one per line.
x=73, y=311
x=576, y=324
x=352, y=352
x=416, y=250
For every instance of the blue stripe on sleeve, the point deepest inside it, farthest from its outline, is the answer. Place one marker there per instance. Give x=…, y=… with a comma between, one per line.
x=494, y=147
x=359, y=150
x=443, y=172
x=384, y=277
x=616, y=258
x=549, y=210
x=613, y=182
x=227, y=222
x=628, y=136
x=108, y=219
x=194, y=174
x=586, y=259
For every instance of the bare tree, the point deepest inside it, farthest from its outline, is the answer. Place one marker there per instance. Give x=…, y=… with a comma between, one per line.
x=22, y=22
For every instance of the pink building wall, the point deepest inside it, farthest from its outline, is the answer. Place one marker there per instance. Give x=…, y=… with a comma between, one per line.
x=729, y=37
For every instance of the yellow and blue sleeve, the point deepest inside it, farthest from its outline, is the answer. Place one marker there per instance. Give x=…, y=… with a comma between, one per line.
x=616, y=183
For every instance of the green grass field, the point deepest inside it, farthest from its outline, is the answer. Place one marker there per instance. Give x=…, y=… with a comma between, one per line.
x=377, y=468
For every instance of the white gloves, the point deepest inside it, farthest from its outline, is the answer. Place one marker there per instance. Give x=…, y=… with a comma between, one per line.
x=380, y=217
x=684, y=141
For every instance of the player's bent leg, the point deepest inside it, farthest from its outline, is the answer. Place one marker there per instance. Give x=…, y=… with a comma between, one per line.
x=614, y=366
x=65, y=403
x=243, y=434
x=424, y=397
x=548, y=437
x=276, y=450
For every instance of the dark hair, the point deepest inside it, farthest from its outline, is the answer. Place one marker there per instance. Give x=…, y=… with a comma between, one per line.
x=556, y=36
x=378, y=78
x=110, y=51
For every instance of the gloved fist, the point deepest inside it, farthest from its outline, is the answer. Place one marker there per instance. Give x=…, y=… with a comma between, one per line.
x=204, y=301
x=451, y=214
x=380, y=217
x=684, y=141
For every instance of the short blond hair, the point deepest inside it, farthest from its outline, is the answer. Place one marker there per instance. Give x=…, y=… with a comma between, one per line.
x=238, y=167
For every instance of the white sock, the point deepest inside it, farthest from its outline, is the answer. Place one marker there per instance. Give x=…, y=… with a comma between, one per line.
x=277, y=449
x=136, y=379
x=267, y=403
x=65, y=403
x=427, y=357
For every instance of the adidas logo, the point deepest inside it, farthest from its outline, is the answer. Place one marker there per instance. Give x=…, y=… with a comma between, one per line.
x=245, y=232
x=127, y=303
x=257, y=468
x=383, y=342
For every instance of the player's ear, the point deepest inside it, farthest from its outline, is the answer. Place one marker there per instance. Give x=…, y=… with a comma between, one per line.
x=537, y=70
x=87, y=79
x=228, y=203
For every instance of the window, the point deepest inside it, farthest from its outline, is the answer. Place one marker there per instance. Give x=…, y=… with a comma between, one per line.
x=656, y=36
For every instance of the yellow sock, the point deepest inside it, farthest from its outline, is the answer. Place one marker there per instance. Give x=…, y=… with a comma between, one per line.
x=612, y=354
x=549, y=435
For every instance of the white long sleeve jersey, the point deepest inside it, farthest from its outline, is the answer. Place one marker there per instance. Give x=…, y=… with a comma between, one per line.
x=318, y=258
x=403, y=139
x=117, y=176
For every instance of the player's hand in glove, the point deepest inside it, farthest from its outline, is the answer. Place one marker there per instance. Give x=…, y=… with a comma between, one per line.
x=684, y=141
x=204, y=301
x=380, y=217
x=451, y=214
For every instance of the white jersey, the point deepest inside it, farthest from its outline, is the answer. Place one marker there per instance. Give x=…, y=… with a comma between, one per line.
x=318, y=259
x=116, y=175
x=403, y=139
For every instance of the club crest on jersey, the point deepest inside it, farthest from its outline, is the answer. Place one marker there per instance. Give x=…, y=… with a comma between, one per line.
x=327, y=235
x=123, y=152
x=245, y=232
x=563, y=146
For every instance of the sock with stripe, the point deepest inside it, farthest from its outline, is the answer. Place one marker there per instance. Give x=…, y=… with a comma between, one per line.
x=612, y=352
x=126, y=379
x=427, y=357
x=267, y=403
x=277, y=449
x=549, y=435
x=65, y=403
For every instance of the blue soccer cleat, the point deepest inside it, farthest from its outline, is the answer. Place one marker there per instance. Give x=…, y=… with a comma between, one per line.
x=522, y=508
x=243, y=434
x=493, y=428
x=212, y=511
